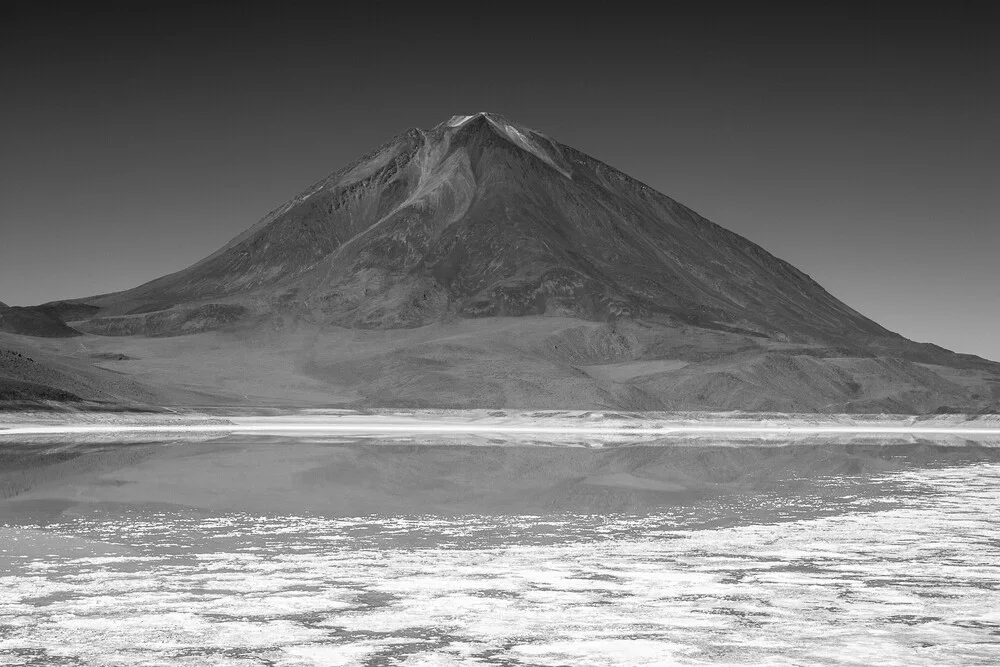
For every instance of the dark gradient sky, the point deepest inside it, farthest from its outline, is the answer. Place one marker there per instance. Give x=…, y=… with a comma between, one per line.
x=859, y=144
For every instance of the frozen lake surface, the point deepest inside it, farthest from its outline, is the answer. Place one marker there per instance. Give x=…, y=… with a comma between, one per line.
x=898, y=567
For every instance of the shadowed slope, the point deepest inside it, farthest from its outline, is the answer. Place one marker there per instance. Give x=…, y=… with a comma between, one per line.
x=38, y=321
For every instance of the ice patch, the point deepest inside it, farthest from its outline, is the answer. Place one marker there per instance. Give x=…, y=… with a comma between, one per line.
x=608, y=652
x=458, y=121
x=324, y=655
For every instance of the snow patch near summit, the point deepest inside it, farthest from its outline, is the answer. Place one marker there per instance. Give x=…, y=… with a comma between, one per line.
x=522, y=140
x=458, y=121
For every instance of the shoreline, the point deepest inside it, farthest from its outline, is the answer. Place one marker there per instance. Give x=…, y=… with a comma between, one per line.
x=449, y=463
x=485, y=422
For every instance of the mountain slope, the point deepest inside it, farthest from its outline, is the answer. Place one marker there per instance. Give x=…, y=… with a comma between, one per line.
x=44, y=321
x=53, y=372
x=481, y=219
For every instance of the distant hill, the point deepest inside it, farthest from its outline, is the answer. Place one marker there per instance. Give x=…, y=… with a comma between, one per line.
x=41, y=321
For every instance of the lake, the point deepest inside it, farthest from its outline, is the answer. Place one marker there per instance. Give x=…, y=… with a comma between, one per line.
x=853, y=554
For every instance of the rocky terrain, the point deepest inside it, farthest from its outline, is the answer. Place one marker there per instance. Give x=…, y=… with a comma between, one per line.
x=483, y=264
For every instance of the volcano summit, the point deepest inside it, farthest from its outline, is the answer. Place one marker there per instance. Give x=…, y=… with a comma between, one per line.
x=483, y=264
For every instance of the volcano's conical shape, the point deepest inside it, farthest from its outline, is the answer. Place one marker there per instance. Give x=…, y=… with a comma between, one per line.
x=480, y=216
x=479, y=220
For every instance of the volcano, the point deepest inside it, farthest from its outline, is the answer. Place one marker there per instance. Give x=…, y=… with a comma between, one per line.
x=482, y=217
x=499, y=267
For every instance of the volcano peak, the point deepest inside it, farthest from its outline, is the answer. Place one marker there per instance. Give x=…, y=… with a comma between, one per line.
x=461, y=119
x=521, y=136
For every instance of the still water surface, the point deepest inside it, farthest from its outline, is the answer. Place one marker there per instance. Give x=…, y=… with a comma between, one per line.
x=898, y=568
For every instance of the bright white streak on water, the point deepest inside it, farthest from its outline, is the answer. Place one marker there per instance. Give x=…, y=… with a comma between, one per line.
x=349, y=427
x=917, y=584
